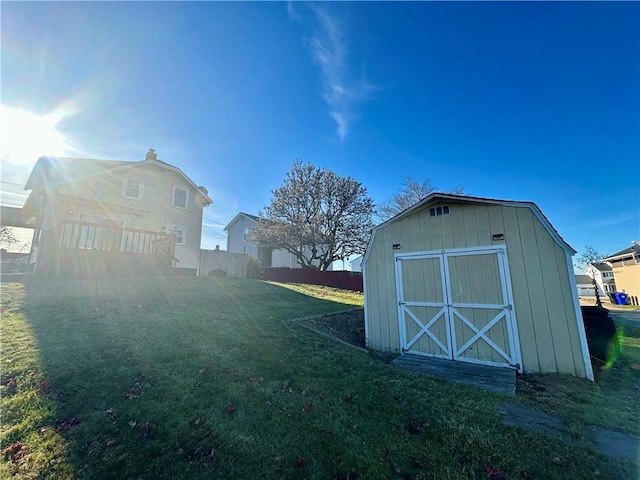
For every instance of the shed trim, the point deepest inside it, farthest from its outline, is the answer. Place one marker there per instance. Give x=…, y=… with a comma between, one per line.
x=397, y=267
x=464, y=198
x=514, y=327
x=485, y=249
x=580, y=321
x=366, y=315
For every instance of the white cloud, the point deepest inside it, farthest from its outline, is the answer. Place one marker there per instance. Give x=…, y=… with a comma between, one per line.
x=342, y=124
x=293, y=13
x=341, y=89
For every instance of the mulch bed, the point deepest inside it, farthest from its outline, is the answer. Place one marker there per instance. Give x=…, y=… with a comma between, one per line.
x=345, y=326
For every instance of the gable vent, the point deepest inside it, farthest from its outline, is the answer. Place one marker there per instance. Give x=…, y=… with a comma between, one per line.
x=438, y=211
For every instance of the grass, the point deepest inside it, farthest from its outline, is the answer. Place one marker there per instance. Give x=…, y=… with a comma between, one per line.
x=631, y=308
x=345, y=297
x=207, y=378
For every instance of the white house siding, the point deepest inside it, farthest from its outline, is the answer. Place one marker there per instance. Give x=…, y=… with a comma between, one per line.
x=356, y=264
x=585, y=290
x=605, y=284
x=236, y=243
x=282, y=258
x=543, y=297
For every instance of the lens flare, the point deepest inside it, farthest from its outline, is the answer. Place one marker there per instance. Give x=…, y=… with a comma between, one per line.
x=26, y=136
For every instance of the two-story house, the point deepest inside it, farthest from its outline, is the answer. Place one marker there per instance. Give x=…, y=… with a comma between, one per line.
x=626, y=271
x=122, y=212
x=603, y=275
x=238, y=241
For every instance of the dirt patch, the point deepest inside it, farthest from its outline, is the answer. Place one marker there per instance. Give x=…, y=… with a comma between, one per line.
x=345, y=326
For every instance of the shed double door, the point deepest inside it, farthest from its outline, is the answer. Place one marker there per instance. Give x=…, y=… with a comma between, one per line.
x=457, y=304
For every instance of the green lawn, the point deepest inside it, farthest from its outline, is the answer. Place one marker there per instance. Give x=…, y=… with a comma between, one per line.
x=194, y=378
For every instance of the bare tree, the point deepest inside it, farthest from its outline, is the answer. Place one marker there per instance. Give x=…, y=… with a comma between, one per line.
x=590, y=256
x=7, y=237
x=412, y=192
x=317, y=215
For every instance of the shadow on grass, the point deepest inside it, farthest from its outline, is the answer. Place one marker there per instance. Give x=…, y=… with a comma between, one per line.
x=133, y=378
x=611, y=402
x=203, y=378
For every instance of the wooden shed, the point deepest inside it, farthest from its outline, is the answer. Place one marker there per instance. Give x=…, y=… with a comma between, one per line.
x=475, y=280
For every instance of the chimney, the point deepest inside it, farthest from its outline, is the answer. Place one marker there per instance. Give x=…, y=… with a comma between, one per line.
x=151, y=155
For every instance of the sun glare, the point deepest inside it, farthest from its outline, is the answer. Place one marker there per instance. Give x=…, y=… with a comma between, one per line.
x=25, y=136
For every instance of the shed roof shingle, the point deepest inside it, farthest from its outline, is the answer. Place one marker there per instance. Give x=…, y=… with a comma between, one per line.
x=627, y=252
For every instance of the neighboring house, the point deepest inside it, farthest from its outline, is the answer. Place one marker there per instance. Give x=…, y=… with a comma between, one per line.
x=238, y=231
x=603, y=273
x=626, y=271
x=584, y=284
x=11, y=262
x=83, y=209
x=238, y=241
x=356, y=264
x=16, y=223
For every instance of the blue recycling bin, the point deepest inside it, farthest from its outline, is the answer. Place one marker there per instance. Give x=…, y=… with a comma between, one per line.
x=621, y=298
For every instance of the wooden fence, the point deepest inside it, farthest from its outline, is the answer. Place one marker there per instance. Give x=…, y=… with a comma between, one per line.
x=341, y=279
x=214, y=262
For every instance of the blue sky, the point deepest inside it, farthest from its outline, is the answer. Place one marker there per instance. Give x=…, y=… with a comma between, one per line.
x=512, y=100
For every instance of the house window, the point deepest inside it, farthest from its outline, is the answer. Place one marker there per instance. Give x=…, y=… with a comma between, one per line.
x=180, y=198
x=438, y=211
x=132, y=188
x=245, y=235
x=180, y=233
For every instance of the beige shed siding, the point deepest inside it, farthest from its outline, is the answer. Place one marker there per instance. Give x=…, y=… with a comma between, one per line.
x=534, y=296
x=566, y=277
x=525, y=313
x=545, y=315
